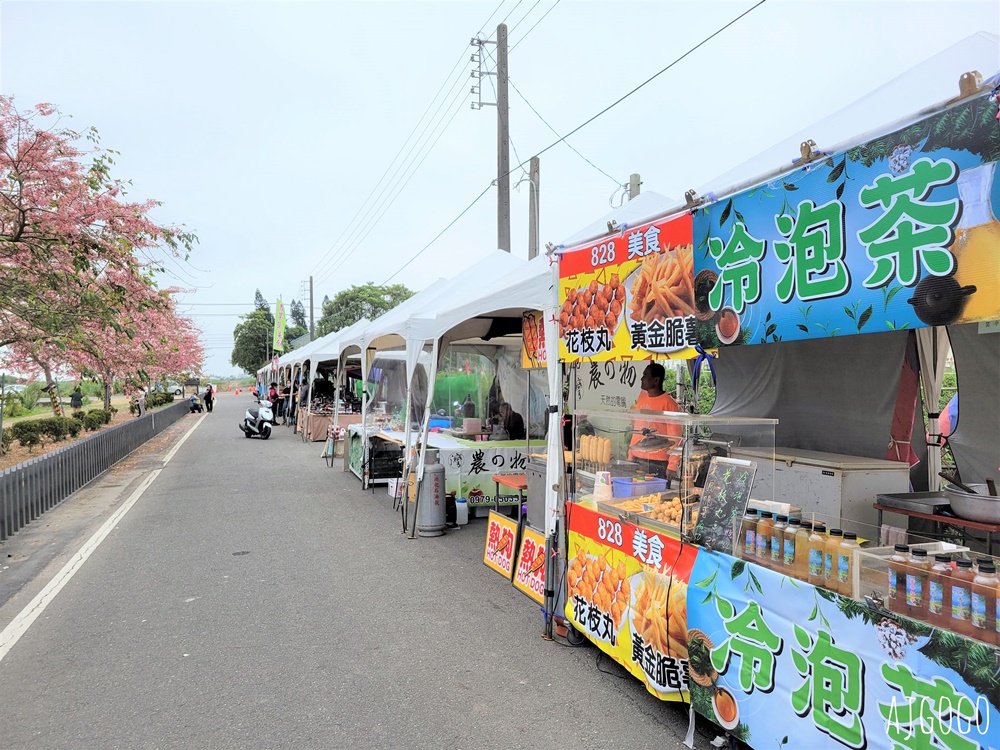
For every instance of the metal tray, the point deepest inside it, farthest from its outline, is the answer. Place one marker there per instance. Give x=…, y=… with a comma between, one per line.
x=920, y=502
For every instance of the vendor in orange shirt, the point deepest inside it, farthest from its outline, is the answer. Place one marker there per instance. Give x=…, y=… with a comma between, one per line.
x=653, y=398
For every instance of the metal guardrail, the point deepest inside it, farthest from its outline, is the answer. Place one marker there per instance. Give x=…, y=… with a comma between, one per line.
x=33, y=487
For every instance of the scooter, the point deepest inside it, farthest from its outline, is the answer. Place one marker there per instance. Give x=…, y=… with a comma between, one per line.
x=258, y=421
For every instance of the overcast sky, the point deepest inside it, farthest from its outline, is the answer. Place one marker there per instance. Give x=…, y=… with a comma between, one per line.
x=267, y=128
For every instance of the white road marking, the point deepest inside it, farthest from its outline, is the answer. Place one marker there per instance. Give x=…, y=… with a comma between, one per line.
x=20, y=624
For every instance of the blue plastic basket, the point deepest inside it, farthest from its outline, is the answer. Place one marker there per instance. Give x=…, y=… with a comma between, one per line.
x=625, y=487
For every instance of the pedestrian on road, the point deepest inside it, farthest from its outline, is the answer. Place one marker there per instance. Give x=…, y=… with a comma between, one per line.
x=140, y=401
x=209, y=398
x=76, y=399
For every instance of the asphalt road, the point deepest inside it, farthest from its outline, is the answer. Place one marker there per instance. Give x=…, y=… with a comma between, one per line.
x=254, y=598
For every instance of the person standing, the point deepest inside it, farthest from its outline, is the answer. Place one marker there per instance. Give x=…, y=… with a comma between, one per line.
x=513, y=423
x=209, y=398
x=140, y=401
x=655, y=459
x=76, y=399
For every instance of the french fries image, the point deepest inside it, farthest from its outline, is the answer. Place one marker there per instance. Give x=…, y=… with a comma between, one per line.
x=661, y=623
x=664, y=287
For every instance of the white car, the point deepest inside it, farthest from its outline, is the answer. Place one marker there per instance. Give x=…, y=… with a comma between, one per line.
x=14, y=388
x=174, y=388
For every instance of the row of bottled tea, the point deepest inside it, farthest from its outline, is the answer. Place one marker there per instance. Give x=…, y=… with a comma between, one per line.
x=800, y=549
x=958, y=595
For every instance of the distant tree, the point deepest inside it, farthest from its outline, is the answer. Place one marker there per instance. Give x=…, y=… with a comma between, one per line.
x=351, y=305
x=298, y=314
x=252, y=341
x=260, y=303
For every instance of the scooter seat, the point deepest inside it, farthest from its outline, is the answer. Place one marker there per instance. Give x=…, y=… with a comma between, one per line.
x=254, y=413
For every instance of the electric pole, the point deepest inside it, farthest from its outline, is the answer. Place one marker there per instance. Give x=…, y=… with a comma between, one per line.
x=503, y=157
x=533, y=208
x=312, y=319
x=633, y=186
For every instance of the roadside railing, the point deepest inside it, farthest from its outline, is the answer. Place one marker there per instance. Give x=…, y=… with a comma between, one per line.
x=33, y=487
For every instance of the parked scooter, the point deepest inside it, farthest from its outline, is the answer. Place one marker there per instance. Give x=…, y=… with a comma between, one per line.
x=257, y=422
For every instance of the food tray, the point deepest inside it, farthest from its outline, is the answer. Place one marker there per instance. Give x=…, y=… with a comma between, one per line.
x=625, y=487
x=674, y=532
x=920, y=502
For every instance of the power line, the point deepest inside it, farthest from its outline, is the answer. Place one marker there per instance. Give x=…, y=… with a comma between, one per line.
x=580, y=127
x=533, y=27
x=511, y=31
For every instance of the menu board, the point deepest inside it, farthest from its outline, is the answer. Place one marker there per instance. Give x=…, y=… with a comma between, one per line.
x=501, y=544
x=724, y=499
x=529, y=574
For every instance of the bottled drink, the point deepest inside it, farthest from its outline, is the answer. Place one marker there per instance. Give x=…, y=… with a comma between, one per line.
x=917, y=577
x=801, y=567
x=778, y=540
x=845, y=563
x=830, y=551
x=817, y=540
x=896, y=572
x=961, y=597
x=788, y=546
x=984, y=602
x=764, y=526
x=748, y=533
x=938, y=592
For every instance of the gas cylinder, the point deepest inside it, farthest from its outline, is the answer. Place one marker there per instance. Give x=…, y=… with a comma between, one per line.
x=431, y=507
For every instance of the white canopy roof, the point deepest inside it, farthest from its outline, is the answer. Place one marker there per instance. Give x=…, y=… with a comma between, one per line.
x=644, y=207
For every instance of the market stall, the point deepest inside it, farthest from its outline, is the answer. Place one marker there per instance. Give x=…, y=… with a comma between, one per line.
x=810, y=284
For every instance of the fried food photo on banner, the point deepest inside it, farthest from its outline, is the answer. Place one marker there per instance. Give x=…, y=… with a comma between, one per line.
x=661, y=626
x=599, y=583
x=598, y=305
x=664, y=286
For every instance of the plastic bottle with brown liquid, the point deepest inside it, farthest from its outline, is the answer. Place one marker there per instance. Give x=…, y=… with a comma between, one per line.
x=778, y=541
x=788, y=547
x=817, y=541
x=938, y=592
x=984, y=602
x=748, y=534
x=801, y=567
x=845, y=564
x=764, y=526
x=961, y=598
x=896, y=575
x=917, y=577
x=830, y=551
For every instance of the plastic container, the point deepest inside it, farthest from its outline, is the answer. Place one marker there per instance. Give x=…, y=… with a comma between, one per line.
x=817, y=540
x=961, y=598
x=764, y=526
x=984, y=602
x=846, y=563
x=801, y=568
x=625, y=487
x=788, y=546
x=917, y=580
x=748, y=533
x=896, y=567
x=831, y=551
x=938, y=592
x=461, y=511
x=777, y=541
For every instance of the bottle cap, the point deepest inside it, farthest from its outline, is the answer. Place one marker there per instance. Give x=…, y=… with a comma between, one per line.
x=965, y=563
x=987, y=567
x=942, y=558
x=819, y=527
x=766, y=514
x=919, y=553
x=794, y=521
x=751, y=512
x=850, y=535
x=902, y=548
x=783, y=519
x=836, y=532
x=981, y=560
x=807, y=525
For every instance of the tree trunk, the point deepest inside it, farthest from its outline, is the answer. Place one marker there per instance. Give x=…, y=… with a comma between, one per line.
x=107, y=395
x=53, y=391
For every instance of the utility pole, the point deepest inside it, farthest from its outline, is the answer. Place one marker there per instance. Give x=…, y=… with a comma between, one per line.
x=533, y=208
x=633, y=186
x=503, y=140
x=312, y=319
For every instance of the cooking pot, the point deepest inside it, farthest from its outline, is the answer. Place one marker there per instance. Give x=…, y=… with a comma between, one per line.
x=974, y=507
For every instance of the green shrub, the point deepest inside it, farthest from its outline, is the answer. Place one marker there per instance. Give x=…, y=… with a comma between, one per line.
x=28, y=433
x=73, y=426
x=78, y=415
x=30, y=395
x=6, y=438
x=53, y=427
x=12, y=405
x=94, y=419
x=108, y=415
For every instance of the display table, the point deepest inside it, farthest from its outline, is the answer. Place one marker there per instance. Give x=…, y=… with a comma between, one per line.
x=316, y=425
x=517, y=482
x=961, y=523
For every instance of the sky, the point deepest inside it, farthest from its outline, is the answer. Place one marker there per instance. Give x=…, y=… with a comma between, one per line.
x=335, y=140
